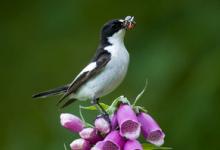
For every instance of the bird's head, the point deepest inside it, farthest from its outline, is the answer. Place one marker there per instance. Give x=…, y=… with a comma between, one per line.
x=116, y=28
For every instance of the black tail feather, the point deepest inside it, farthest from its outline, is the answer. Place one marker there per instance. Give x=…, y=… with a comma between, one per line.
x=55, y=91
x=62, y=99
x=68, y=102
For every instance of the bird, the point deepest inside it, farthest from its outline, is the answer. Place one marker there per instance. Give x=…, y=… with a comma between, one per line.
x=105, y=71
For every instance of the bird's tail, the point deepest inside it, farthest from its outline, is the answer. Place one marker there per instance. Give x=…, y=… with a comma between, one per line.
x=51, y=92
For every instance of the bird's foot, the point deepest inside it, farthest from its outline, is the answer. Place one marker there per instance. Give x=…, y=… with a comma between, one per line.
x=104, y=114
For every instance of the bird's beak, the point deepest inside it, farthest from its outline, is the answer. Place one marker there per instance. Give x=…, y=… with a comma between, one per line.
x=129, y=22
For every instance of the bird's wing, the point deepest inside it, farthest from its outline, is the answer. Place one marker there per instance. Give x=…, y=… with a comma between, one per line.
x=88, y=72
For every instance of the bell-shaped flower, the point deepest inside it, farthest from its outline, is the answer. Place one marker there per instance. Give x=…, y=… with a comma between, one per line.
x=128, y=123
x=91, y=135
x=98, y=146
x=71, y=122
x=80, y=144
x=133, y=145
x=102, y=125
x=113, y=141
x=150, y=129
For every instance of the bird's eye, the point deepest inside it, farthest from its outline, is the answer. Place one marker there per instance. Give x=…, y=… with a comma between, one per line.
x=115, y=25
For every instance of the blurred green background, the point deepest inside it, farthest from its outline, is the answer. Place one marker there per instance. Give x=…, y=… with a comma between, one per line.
x=175, y=45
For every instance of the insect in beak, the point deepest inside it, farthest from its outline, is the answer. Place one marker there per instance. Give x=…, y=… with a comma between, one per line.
x=129, y=22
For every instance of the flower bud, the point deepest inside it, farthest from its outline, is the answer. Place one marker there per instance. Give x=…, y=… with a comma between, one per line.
x=113, y=141
x=150, y=129
x=132, y=145
x=90, y=134
x=80, y=144
x=102, y=125
x=71, y=122
x=128, y=123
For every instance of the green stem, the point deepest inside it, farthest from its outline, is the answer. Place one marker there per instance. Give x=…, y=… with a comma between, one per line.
x=65, y=148
x=82, y=118
x=139, y=95
x=80, y=113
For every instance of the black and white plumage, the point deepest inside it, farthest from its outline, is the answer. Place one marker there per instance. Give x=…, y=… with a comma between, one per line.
x=105, y=71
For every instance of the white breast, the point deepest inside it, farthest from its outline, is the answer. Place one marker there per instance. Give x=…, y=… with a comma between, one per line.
x=113, y=74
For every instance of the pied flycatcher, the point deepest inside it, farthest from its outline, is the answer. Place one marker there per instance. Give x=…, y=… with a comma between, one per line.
x=106, y=70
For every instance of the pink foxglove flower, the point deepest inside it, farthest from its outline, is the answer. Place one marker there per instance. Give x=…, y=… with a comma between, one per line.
x=132, y=145
x=128, y=123
x=80, y=144
x=71, y=122
x=98, y=146
x=150, y=129
x=91, y=135
x=102, y=125
x=113, y=141
x=114, y=121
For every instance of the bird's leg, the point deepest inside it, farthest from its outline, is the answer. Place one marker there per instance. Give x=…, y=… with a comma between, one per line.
x=95, y=103
x=104, y=114
x=98, y=106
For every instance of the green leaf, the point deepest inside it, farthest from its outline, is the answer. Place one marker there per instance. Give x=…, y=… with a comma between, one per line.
x=92, y=107
x=147, y=146
x=105, y=106
x=89, y=107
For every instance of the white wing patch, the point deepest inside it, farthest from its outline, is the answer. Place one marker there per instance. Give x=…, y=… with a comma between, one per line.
x=89, y=67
